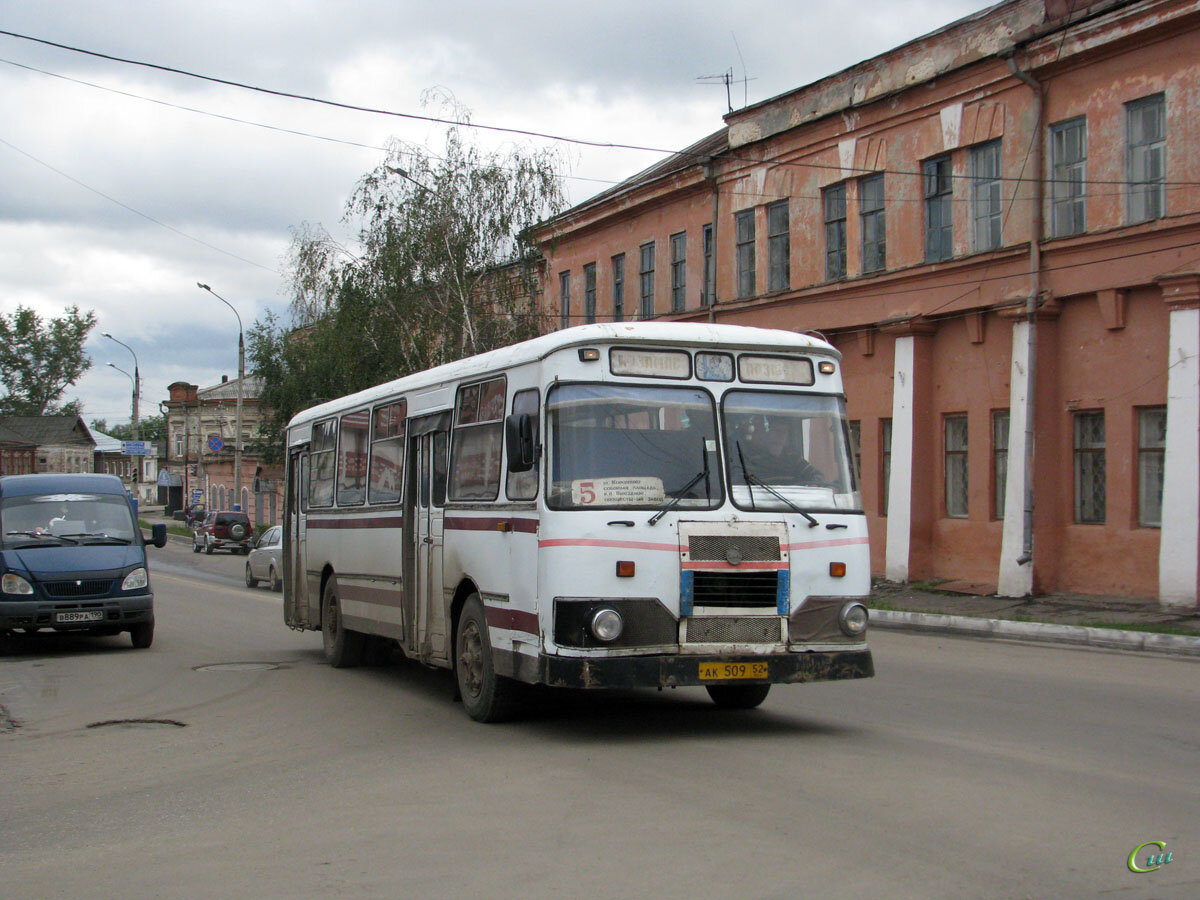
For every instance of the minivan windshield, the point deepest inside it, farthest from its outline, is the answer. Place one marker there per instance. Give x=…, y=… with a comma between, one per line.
x=53, y=520
x=632, y=447
x=788, y=450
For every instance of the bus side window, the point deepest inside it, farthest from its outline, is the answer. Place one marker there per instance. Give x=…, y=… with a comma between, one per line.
x=524, y=485
x=439, y=467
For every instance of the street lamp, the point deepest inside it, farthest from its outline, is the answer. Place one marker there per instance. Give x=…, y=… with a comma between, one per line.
x=237, y=441
x=137, y=382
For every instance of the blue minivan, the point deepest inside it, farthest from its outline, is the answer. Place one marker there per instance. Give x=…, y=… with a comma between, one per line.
x=72, y=557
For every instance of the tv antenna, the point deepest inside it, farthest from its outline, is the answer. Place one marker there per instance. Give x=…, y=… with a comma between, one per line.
x=726, y=78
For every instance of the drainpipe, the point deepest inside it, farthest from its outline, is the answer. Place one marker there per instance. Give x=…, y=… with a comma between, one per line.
x=1031, y=303
x=710, y=174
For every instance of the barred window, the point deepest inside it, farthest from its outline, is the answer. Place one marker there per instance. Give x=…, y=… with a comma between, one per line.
x=835, y=232
x=1000, y=422
x=939, y=210
x=678, y=271
x=874, y=225
x=564, y=299
x=709, y=272
x=1089, y=467
x=956, y=466
x=885, y=463
x=1147, y=129
x=1152, y=448
x=985, y=195
x=618, y=286
x=745, y=253
x=1068, y=152
x=589, y=293
x=647, y=275
x=779, y=276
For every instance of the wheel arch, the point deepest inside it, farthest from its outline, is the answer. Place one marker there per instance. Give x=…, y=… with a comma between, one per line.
x=466, y=587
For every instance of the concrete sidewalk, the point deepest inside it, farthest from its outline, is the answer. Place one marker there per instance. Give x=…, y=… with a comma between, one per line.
x=1114, y=623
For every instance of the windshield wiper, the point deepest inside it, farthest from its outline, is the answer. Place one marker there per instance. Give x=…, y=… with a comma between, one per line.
x=99, y=536
x=752, y=480
x=703, y=473
x=41, y=535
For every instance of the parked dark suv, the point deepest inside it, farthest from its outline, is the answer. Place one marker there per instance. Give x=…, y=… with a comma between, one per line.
x=223, y=531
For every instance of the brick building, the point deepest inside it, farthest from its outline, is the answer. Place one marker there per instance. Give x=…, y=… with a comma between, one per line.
x=998, y=224
x=62, y=443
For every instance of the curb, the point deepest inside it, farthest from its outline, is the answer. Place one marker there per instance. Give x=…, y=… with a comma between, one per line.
x=1039, y=632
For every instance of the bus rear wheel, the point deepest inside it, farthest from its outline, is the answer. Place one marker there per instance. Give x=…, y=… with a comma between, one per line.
x=343, y=647
x=738, y=696
x=486, y=696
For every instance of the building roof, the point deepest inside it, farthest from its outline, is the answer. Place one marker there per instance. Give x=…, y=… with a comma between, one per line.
x=10, y=437
x=43, y=430
x=106, y=443
x=227, y=390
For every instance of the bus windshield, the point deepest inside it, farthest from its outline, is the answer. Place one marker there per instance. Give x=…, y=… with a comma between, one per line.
x=788, y=449
x=632, y=446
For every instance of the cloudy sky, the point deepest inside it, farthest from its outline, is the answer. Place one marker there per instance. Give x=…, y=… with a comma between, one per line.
x=117, y=199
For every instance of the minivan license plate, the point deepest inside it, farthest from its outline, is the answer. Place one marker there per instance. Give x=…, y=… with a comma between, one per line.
x=87, y=615
x=732, y=671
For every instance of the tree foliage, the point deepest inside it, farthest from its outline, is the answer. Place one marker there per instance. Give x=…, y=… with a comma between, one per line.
x=153, y=429
x=442, y=269
x=40, y=359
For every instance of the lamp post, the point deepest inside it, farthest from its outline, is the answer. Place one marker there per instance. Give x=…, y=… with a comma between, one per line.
x=137, y=382
x=237, y=440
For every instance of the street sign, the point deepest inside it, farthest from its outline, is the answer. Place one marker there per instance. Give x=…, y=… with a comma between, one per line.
x=137, y=448
x=215, y=444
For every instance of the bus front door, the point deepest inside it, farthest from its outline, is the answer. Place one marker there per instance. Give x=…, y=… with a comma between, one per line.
x=295, y=581
x=429, y=606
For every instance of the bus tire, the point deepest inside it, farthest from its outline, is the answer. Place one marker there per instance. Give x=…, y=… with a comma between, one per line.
x=486, y=696
x=343, y=647
x=738, y=696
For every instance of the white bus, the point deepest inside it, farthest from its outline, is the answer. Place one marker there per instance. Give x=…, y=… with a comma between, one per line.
x=616, y=505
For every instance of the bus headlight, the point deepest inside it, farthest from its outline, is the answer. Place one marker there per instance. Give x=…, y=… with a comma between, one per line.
x=135, y=579
x=15, y=584
x=606, y=624
x=853, y=619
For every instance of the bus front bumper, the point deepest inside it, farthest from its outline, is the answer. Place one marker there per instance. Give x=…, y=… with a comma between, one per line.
x=680, y=670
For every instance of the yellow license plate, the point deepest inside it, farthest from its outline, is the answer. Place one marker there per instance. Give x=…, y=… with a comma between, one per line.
x=732, y=671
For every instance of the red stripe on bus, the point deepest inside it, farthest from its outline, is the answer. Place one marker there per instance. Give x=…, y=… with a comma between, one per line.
x=511, y=619
x=711, y=565
x=491, y=523
x=816, y=545
x=355, y=522
x=619, y=545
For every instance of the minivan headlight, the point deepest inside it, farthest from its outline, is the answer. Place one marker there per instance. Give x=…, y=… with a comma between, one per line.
x=135, y=579
x=15, y=584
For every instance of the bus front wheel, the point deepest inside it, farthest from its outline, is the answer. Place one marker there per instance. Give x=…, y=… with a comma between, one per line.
x=738, y=696
x=343, y=647
x=486, y=696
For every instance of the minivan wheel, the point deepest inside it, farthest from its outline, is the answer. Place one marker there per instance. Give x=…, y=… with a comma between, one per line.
x=142, y=636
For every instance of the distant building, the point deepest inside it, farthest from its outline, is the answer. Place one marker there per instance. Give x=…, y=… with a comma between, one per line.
x=63, y=443
x=18, y=456
x=996, y=224
x=201, y=436
x=140, y=473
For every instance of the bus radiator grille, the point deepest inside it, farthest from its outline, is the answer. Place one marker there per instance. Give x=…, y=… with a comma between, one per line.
x=748, y=548
x=741, y=590
x=734, y=630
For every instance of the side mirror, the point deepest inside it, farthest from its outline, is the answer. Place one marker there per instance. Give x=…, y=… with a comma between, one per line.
x=158, y=535
x=518, y=441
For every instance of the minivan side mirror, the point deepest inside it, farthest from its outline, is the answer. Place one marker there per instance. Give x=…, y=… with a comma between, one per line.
x=158, y=535
x=518, y=440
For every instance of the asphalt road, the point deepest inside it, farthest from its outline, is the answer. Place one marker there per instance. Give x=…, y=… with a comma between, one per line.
x=964, y=769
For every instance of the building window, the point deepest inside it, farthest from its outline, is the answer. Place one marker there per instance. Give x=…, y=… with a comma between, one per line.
x=678, y=271
x=1000, y=419
x=956, y=467
x=745, y=253
x=1068, y=157
x=589, y=293
x=939, y=210
x=874, y=230
x=835, y=232
x=779, y=247
x=710, y=286
x=1089, y=467
x=885, y=461
x=985, y=195
x=647, y=273
x=564, y=299
x=1152, y=448
x=1147, y=127
x=618, y=284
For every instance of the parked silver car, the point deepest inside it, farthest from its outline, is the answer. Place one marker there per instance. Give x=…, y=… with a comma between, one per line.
x=265, y=562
